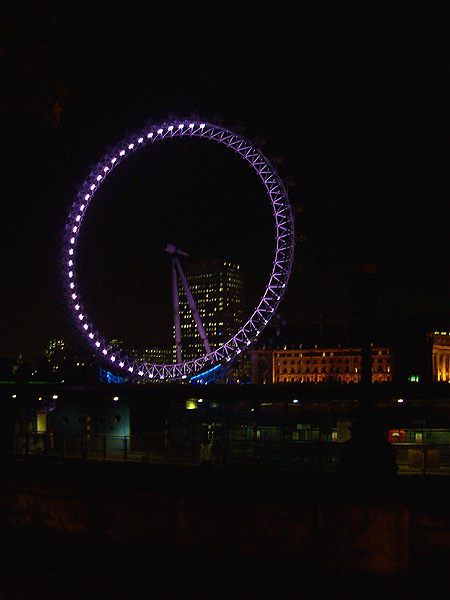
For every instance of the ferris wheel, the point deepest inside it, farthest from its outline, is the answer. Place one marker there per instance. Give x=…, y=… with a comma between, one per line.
x=281, y=267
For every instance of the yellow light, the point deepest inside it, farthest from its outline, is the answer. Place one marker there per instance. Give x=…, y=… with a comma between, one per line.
x=41, y=424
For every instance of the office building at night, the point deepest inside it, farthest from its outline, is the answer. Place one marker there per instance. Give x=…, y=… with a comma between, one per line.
x=218, y=290
x=153, y=354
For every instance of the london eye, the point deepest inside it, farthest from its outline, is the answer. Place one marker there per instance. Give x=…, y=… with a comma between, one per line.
x=274, y=290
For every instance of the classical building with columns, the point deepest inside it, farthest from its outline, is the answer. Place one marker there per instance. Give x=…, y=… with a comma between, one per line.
x=440, y=356
x=318, y=365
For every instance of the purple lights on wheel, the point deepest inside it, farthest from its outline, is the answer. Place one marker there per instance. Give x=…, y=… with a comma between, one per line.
x=281, y=268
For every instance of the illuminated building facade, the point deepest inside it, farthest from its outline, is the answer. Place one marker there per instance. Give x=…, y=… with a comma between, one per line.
x=55, y=354
x=318, y=365
x=218, y=291
x=440, y=355
x=55, y=346
x=153, y=355
x=64, y=365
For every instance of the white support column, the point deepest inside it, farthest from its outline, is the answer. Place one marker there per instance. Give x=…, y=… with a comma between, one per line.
x=176, y=311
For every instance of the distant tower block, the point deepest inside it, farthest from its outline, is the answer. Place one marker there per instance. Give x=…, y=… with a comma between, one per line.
x=218, y=288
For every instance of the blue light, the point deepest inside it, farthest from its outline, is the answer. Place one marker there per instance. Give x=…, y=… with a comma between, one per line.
x=108, y=377
x=206, y=376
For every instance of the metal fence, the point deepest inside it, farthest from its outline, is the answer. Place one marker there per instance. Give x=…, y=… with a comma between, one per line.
x=320, y=456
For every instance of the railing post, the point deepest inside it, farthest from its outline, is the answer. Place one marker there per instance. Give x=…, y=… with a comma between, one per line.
x=424, y=461
x=63, y=445
x=125, y=447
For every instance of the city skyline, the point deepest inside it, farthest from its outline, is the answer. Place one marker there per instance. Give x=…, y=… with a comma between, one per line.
x=354, y=103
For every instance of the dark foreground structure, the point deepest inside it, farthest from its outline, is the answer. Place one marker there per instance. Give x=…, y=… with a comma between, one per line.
x=94, y=529
x=122, y=525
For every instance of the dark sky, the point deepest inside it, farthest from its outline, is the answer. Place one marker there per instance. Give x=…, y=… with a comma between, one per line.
x=354, y=100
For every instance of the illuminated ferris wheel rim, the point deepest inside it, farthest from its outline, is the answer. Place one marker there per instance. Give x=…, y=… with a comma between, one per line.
x=282, y=263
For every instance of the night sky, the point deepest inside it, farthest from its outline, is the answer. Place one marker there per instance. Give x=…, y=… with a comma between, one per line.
x=355, y=101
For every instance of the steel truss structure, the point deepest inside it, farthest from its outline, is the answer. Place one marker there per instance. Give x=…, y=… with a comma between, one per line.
x=282, y=262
